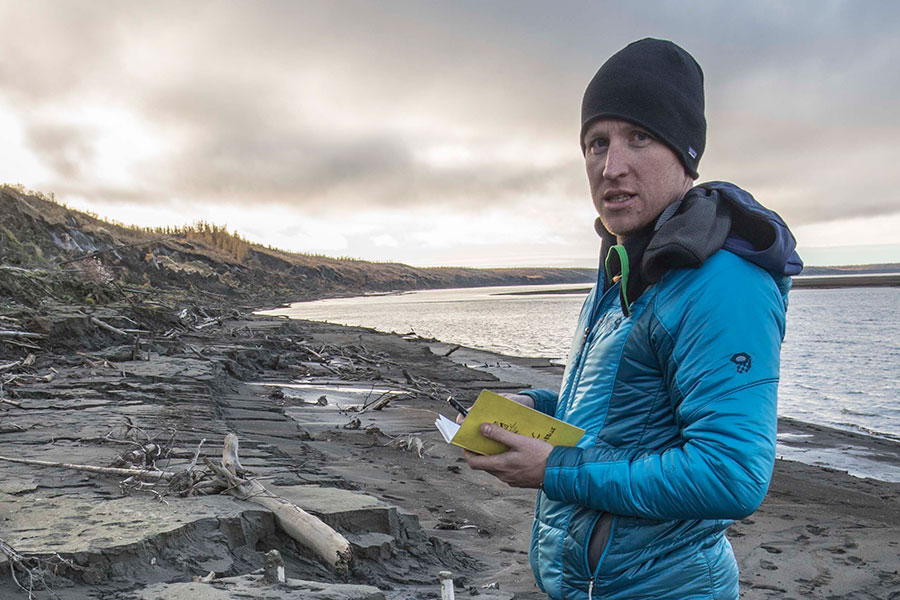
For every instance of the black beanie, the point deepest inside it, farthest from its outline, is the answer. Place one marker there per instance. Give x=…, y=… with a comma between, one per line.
x=655, y=84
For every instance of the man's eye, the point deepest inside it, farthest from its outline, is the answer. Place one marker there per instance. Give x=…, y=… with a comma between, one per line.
x=598, y=145
x=641, y=136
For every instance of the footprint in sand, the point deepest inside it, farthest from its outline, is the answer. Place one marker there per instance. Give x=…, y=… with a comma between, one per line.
x=810, y=586
x=813, y=529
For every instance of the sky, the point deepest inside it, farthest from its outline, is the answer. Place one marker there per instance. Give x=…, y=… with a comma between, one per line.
x=438, y=133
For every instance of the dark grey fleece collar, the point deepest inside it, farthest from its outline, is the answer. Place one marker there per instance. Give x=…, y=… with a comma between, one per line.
x=686, y=234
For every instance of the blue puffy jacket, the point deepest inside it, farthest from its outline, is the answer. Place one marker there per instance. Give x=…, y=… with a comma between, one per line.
x=678, y=401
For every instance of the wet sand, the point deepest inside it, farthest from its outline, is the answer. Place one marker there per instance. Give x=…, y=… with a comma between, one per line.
x=384, y=478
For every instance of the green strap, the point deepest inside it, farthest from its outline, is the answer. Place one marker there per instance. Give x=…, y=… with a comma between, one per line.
x=622, y=255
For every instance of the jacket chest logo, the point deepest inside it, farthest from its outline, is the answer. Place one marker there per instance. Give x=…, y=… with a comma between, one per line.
x=742, y=362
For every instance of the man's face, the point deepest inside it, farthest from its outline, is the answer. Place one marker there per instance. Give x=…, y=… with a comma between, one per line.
x=633, y=176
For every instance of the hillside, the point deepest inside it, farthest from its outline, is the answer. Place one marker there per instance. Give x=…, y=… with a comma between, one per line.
x=47, y=249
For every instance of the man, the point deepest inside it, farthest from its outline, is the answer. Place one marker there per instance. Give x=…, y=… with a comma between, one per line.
x=674, y=368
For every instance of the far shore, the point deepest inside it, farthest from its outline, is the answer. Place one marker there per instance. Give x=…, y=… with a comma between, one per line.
x=841, y=281
x=802, y=281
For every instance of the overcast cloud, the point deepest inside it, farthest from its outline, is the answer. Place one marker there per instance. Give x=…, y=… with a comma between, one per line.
x=418, y=131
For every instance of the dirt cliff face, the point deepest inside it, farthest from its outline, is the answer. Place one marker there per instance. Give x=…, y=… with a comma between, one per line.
x=50, y=251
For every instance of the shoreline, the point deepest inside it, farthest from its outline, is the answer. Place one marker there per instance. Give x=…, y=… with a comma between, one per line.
x=541, y=370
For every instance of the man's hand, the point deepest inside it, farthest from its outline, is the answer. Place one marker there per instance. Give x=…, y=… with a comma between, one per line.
x=521, y=466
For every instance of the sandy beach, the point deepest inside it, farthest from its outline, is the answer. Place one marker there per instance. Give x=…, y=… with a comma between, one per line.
x=300, y=398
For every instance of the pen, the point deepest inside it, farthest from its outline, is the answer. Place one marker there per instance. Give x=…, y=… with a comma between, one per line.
x=459, y=407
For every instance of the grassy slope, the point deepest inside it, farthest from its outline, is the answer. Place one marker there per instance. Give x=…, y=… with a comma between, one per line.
x=41, y=235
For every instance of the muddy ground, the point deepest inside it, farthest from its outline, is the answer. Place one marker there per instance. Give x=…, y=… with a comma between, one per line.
x=299, y=397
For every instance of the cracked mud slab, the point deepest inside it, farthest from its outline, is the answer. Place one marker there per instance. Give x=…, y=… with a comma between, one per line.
x=115, y=538
x=68, y=525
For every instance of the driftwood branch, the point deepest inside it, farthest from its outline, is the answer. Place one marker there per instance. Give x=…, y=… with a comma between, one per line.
x=149, y=475
x=20, y=334
x=196, y=455
x=197, y=352
x=95, y=362
x=109, y=327
x=31, y=566
x=308, y=530
x=137, y=291
x=379, y=403
x=21, y=344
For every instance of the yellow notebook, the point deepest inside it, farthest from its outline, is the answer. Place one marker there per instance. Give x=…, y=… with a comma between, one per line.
x=510, y=415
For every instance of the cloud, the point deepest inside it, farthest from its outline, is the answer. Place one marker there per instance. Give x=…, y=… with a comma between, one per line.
x=309, y=109
x=64, y=147
x=346, y=108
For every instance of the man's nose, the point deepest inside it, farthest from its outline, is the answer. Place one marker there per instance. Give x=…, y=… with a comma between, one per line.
x=616, y=164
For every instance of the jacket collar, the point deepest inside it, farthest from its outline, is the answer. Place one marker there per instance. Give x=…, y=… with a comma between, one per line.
x=711, y=216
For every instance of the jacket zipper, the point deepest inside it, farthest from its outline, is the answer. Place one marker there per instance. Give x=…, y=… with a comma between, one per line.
x=612, y=532
x=582, y=355
x=598, y=300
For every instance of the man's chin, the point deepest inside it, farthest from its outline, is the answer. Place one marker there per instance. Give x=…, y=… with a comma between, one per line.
x=621, y=231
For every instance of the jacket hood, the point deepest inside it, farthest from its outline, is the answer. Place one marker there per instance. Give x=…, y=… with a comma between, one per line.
x=757, y=234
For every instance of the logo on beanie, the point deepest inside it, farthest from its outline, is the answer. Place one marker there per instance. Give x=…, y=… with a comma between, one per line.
x=692, y=152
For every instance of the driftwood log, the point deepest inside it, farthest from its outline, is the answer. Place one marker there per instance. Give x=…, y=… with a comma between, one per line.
x=306, y=529
x=144, y=474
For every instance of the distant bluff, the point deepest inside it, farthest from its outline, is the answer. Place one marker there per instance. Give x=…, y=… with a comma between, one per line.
x=48, y=251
